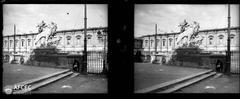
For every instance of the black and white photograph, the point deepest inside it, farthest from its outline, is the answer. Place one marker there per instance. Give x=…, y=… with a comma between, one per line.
x=132, y=47
x=186, y=48
x=55, y=48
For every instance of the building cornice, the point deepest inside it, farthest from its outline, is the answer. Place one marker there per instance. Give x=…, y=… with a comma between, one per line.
x=71, y=30
x=205, y=30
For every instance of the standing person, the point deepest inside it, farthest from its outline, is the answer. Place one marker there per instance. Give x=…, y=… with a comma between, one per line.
x=76, y=66
x=21, y=60
x=163, y=60
x=219, y=66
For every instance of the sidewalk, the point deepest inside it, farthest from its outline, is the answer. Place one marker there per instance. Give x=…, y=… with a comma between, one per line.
x=15, y=73
x=79, y=84
x=147, y=74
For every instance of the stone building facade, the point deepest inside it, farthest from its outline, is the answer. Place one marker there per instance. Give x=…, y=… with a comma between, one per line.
x=72, y=41
x=214, y=41
x=138, y=45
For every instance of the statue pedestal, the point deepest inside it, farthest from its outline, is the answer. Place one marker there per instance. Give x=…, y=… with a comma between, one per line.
x=188, y=56
x=194, y=57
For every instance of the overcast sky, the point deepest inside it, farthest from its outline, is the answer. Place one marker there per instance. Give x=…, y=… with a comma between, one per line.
x=168, y=17
x=66, y=16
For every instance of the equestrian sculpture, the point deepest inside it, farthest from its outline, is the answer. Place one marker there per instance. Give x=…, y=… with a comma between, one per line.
x=189, y=34
x=46, y=35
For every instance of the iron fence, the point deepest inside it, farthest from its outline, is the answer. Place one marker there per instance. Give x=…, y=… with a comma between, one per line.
x=235, y=62
x=96, y=61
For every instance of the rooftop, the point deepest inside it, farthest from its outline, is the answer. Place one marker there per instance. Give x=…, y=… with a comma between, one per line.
x=206, y=30
x=71, y=30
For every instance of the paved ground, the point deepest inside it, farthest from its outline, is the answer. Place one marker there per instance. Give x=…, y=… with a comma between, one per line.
x=147, y=74
x=14, y=73
x=222, y=84
x=78, y=84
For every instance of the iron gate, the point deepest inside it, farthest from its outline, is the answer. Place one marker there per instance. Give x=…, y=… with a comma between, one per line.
x=96, y=61
x=235, y=62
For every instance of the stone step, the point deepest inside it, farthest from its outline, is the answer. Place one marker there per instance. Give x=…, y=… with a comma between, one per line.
x=187, y=83
x=29, y=82
x=44, y=82
x=169, y=83
x=41, y=81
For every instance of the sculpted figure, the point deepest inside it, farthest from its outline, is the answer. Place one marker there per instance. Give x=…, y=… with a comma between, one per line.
x=53, y=28
x=41, y=26
x=188, y=32
x=46, y=35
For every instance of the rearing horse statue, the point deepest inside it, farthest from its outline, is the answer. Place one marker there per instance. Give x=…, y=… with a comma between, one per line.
x=46, y=34
x=188, y=33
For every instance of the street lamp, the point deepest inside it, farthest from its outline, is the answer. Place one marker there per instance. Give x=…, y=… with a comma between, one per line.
x=105, y=53
x=155, y=42
x=14, y=45
x=84, y=71
x=228, y=63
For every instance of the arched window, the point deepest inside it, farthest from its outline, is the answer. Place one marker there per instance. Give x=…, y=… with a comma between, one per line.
x=29, y=42
x=89, y=36
x=170, y=41
x=11, y=41
x=78, y=36
x=232, y=36
x=99, y=34
x=68, y=40
x=151, y=43
x=210, y=40
x=100, y=37
x=22, y=42
x=220, y=39
x=146, y=43
x=5, y=43
x=78, y=39
x=164, y=41
x=157, y=42
x=17, y=43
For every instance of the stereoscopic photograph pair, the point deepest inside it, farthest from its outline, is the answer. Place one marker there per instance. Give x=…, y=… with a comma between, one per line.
x=74, y=48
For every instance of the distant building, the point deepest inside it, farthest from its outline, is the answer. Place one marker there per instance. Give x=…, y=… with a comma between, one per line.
x=138, y=45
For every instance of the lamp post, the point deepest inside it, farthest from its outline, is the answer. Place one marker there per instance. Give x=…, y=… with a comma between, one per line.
x=14, y=41
x=228, y=63
x=105, y=52
x=84, y=71
x=155, y=42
